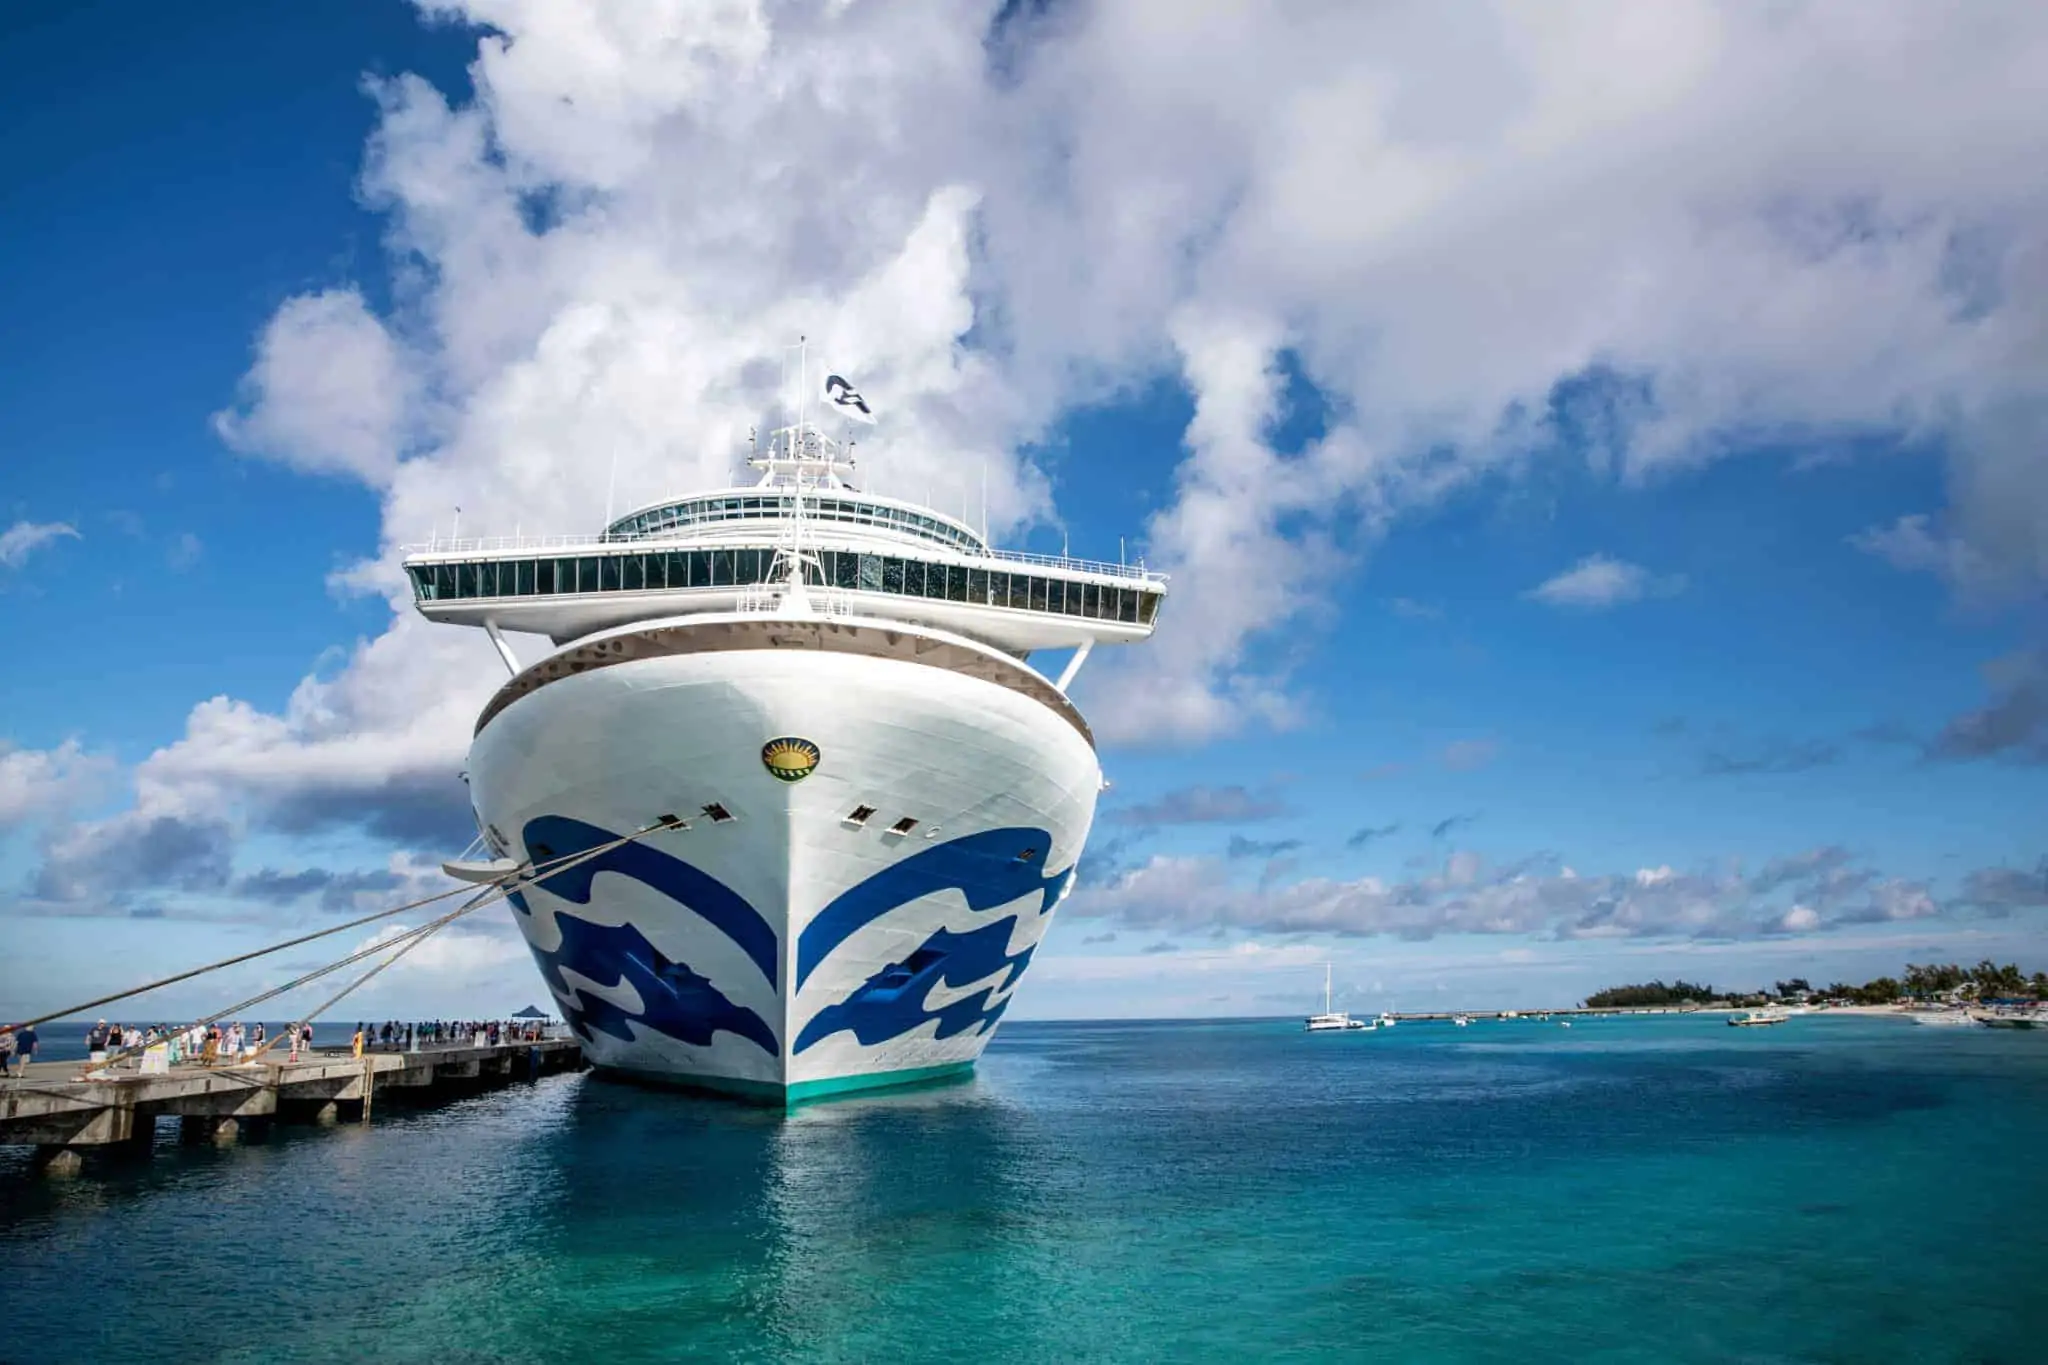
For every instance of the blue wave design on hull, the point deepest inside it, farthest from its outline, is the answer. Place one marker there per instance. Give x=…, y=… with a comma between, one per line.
x=989, y=869
x=891, y=1002
x=675, y=999
x=986, y=868
x=725, y=909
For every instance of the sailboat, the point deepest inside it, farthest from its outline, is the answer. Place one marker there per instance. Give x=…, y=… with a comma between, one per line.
x=1332, y=1021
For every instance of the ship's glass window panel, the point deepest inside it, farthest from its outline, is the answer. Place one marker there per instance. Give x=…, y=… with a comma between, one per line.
x=956, y=582
x=634, y=576
x=523, y=576
x=845, y=569
x=1076, y=596
x=608, y=574
x=871, y=573
x=543, y=577
x=977, y=586
x=565, y=575
x=422, y=582
x=753, y=566
x=1127, y=605
x=444, y=581
x=724, y=569
x=586, y=574
x=1054, y=598
x=465, y=580
x=815, y=575
x=892, y=574
x=1038, y=594
x=1148, y=607
x=1091, y=599
x=700, y=568
x=678, y=568
x=935, y=580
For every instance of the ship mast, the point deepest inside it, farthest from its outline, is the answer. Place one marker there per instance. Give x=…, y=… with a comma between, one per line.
x=801, y=460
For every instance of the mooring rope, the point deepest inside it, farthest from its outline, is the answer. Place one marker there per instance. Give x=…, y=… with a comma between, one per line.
x=526, y=874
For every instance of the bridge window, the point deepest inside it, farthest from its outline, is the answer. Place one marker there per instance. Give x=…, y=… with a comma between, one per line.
x=729, y=568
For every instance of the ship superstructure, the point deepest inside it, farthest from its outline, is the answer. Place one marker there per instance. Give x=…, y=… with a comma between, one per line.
x=867, y=803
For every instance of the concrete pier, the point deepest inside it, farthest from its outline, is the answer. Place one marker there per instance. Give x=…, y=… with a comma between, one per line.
x=68, y=1109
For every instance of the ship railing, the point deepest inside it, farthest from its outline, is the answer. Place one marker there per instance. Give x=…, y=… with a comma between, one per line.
x=767, y=598
x=521, y=545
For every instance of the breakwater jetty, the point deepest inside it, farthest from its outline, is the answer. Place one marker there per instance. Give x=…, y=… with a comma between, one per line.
x=69, y=1110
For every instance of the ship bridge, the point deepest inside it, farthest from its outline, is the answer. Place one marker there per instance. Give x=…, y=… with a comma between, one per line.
x=740, y=549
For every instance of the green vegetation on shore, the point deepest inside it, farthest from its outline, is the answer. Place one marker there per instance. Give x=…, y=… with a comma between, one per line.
x=1948, y=981
x=1651, y=993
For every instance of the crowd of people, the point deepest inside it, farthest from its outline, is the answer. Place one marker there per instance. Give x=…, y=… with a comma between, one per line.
x=218, y=1044
x=395, y=1035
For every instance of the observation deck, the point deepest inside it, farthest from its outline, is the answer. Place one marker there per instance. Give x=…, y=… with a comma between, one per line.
x=731, y=550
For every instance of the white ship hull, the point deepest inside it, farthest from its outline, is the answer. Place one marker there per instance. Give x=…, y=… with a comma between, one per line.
x=786, y=952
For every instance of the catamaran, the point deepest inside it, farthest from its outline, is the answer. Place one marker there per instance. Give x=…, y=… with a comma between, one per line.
x=1332, y=1021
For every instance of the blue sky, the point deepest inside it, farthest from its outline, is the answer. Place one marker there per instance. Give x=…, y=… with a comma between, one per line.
x=286, y=283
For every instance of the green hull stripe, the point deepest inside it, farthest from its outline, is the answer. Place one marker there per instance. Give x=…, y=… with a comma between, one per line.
x=802, y=1092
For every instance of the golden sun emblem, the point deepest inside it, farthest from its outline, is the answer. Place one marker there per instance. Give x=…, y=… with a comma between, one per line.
x=789, y=759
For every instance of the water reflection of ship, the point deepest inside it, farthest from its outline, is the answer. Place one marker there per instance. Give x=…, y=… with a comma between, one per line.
x=794, y=1228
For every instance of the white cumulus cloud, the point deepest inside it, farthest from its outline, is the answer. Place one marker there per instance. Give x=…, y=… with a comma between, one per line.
x=1646, y=235
x=43, y=784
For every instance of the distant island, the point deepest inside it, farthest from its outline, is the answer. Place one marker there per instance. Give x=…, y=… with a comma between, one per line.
x=1933, y=982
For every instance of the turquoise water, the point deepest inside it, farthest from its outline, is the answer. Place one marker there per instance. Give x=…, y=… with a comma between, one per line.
x=1626, y=1190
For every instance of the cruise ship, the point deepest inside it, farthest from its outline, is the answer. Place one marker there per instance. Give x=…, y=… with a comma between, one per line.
x=857, y=804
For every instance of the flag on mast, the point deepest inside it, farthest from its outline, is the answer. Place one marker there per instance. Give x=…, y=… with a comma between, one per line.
x=846, y=400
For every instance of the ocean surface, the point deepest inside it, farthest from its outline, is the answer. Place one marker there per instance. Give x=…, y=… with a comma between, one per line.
x=1639, y=1189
